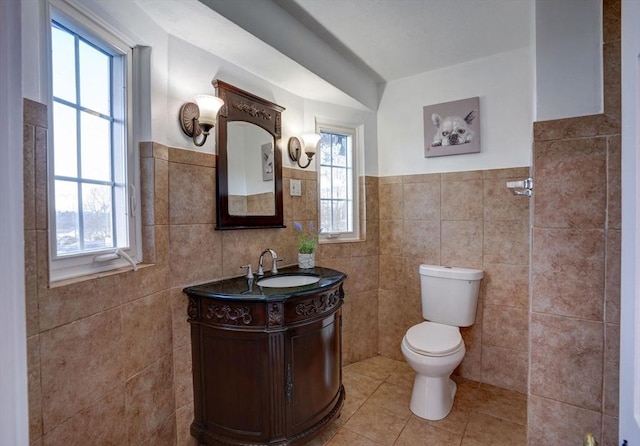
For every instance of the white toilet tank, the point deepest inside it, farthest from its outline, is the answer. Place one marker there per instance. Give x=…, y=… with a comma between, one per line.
x=449, y=294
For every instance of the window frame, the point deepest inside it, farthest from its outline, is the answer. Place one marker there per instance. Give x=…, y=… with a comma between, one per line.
x=354, y=132
x=95, y=32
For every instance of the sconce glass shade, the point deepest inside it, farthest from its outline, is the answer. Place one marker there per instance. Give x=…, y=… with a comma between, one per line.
x=209, y=106
x=310, y=143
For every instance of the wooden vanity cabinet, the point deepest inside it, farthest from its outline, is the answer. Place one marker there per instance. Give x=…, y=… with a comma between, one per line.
x=266, y=372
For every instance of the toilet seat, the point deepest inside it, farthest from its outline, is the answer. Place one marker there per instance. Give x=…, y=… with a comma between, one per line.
x=433, y=339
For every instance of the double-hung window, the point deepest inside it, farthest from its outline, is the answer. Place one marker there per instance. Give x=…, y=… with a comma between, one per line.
x=91, y=172
x=338, y=184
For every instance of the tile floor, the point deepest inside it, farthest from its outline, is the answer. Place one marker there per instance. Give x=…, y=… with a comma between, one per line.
x=376, y=412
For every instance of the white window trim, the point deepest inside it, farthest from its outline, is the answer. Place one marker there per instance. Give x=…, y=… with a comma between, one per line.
x=86, y=264
x=356, y=132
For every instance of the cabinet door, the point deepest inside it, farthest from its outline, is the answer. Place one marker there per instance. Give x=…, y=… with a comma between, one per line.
x=313, y=370
x=235, y=383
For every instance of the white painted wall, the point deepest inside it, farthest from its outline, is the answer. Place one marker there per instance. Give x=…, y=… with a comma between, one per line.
x=14, y=420
x=568, y=42
x=504, y=84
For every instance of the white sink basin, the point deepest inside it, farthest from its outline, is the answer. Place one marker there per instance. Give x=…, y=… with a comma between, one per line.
x=287, y=281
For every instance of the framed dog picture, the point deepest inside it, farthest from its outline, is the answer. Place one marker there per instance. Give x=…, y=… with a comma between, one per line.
x=452, y=128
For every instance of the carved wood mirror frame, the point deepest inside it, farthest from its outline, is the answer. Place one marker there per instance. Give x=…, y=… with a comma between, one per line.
x=240, y=105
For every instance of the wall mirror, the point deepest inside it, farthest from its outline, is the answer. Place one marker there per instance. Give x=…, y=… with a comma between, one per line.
x=249, y=171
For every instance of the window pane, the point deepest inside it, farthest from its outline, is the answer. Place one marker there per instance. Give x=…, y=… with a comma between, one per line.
x=96, y=147
x=97, y=221
x=63, y=58
x=65, y=141
x=339, y=183
x=325, y=216
x=340, y=216
x=95, y=79
x=67, y=222
x=325, y=182
x=325, y=148
x=339, y=150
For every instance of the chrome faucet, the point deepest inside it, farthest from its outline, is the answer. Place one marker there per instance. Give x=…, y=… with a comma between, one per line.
x=274, y=260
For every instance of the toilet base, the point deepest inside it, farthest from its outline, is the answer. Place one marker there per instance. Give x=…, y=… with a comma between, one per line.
x=432, y=398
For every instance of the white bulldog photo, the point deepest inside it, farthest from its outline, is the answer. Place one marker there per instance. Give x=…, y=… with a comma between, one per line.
x=452, y=130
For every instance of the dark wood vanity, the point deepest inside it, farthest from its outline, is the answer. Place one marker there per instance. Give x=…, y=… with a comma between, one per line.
x=266, y=361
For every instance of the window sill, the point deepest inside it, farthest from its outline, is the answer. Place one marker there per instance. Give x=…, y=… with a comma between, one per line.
x=86, y=277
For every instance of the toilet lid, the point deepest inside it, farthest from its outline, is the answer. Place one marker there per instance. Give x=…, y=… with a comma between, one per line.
x=433, y=339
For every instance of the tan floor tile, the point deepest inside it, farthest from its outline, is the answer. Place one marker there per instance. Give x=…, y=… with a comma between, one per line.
x=325, y=436
x=456, y=421
x=377, y=367
x=501, y=403
x=403, y=376
x=418, y=432
x=392, y=397
x=484, y=429
x=345, y=437
x=376, y=423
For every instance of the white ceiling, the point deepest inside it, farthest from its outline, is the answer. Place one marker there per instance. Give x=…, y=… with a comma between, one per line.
x=400, y=38
x=364, y=42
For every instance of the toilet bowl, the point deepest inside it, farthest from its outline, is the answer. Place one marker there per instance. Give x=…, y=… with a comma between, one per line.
x=433, y=351
x=434, y=348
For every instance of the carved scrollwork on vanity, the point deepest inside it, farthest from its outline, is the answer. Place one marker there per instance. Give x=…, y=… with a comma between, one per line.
x=229, y=314
x=320, y=304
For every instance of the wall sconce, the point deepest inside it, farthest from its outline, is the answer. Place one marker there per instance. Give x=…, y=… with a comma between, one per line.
x=200, y=117
x=310, y=143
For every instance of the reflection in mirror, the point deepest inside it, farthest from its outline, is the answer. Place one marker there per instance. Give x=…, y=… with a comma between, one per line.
x=249, y=166
x=250, y=160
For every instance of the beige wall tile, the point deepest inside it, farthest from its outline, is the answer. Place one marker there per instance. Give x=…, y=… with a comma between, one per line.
x=147, y=280
x=568, y=268
x=506, y=285
x=34, y=388
x=614, y=182
x=506, y=242
x=100, y=424
x=553, y=422
x=180, y=327
x=501, y=204
x=612, y=277
x=149, y=399
x=146, y=326
x=64, y=304
x=196, y=254
x=570, y=183
x=567, y=360
x=31, y=282
x=611, y=382
x=612, y=79
x=471, y=366
x=505, y=368
x=391, y=201
x=192, y=193
x=422, y=239
x=611, y=20
x=41, y=183
x=29, y=176
x=182, y=375
x=90, y=351
x=421, y=201
x=391, y=237
x=462, y=200
x=462, y=243
x=505, y=327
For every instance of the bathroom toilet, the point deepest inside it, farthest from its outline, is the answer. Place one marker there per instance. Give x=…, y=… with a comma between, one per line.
x=435, y=348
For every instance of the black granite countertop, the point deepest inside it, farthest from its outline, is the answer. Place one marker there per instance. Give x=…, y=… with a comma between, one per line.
x=248, y=289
